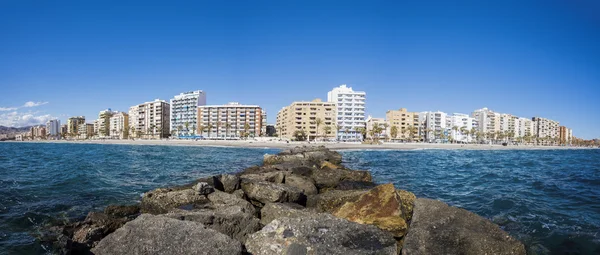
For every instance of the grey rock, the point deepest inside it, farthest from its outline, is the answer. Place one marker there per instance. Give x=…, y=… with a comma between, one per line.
x=267, y=192
x=327, y=178
x=274, y=177
x=272, y=211
x=277, y=159
x=437, y=228
x=303, y=183
x=232, y=221
x=331, y=201
x=163, y=200
x=97, y=225
x=320, y=234
x=229, y=183
x=203, y=188
x=221, y=199
x=150, y=234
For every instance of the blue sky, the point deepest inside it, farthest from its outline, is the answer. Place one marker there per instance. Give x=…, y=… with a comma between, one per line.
x=528, y=58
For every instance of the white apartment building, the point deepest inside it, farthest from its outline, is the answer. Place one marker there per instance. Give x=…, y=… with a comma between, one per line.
x=119, y=125
x=184, y=111
x=150, y=119
x=382, y=123
x=53, y=129
x=489, y=121
x=546, y=128
x=350, y=111
x=433, y=125
x=464, y=124
x=232, y=120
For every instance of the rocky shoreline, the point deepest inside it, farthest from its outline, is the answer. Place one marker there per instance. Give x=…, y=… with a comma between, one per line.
x=300, y=201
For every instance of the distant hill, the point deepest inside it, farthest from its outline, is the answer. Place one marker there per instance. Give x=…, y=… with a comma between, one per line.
x=13, y=130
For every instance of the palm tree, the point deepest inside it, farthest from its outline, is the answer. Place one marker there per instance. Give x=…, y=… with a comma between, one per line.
x=227, y=127
x=187, y=127
x=337, y=127
x=394, y=132
x=179, y=128
x=347, y=131
x=362, y=131
x=159, y=130
x=455, y=129
x=132, y=133
x=463, y=131
x=246, y=129
x=209, y=127
x=201, y=128
x=384, y=128
x=327, y=130
x=300, y=135
x=318, y=122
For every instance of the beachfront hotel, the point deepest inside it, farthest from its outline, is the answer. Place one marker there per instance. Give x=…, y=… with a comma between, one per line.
x=405, y=122
x=565, y=135
x=73, y=124
x=102, y=124
x=85, y=130
x=460, y=127
x=382, y=124
x=232, y=120
x=184, y=112
x=53, y=129
x=546, y=128
x=119, y=125
x=350, y=106
x=489, y=121
x=150, y=119
x=310, y=119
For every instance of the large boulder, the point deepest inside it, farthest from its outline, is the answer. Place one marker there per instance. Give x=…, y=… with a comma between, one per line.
x=320, y=234
x=267, y=192
x=272, y=211
x=220, y=199
x=331, y=201
x=329, y=178
x=122, y=210
x=437, y=228
x=274, y=177
x=233, y=221
x=305, y=184
x=150, y=234
x=227, y=182
x=161, y=200
x=97, y=225
x=380, y=206
x=315, y=155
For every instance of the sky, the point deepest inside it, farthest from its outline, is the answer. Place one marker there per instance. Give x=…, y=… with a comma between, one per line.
x=527, y=58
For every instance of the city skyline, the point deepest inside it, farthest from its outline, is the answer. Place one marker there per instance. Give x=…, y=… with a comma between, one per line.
x=525, y=59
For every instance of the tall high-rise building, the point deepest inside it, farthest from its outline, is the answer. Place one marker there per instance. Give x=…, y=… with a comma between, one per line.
x=230, y=120
x=73, y=124
x=184, y=111
x=150, y=119
x=565, y=135
x=64, y=130
x=85, y=130
x=102, y=125
x=546, y=128
x=488, y=120
x=434, y=125
x=53, y=129
x=303, y=117
x=119, y=125
x=350, y=108
x=407, y=123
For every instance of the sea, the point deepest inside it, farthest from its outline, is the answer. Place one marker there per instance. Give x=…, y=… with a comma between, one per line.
x=548, y=199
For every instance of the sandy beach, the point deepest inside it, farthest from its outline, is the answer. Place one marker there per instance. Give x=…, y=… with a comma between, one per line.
x=332, y=145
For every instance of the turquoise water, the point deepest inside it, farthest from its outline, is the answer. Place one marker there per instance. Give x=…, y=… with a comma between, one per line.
x=549, y=199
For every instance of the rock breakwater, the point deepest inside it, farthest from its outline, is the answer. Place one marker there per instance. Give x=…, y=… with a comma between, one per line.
x=300, y=201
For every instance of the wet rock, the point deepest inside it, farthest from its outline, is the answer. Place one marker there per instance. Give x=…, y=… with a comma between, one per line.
x=437, y=228
x=272, y=211
x=203, y=188
x=267, y=192
x=303, y=183
x=220, y=199
x=408, y=203
x=163, y=200
x=327, y=178
x=232, y=221
x=122, y=210
x=227, y=182
x=380, y=206
x=331, y=201
x=320, y=234
x=149, y=234
x=89, y=232
x=357, y=175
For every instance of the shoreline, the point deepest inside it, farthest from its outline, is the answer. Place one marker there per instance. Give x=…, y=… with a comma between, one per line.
x=329, y=145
